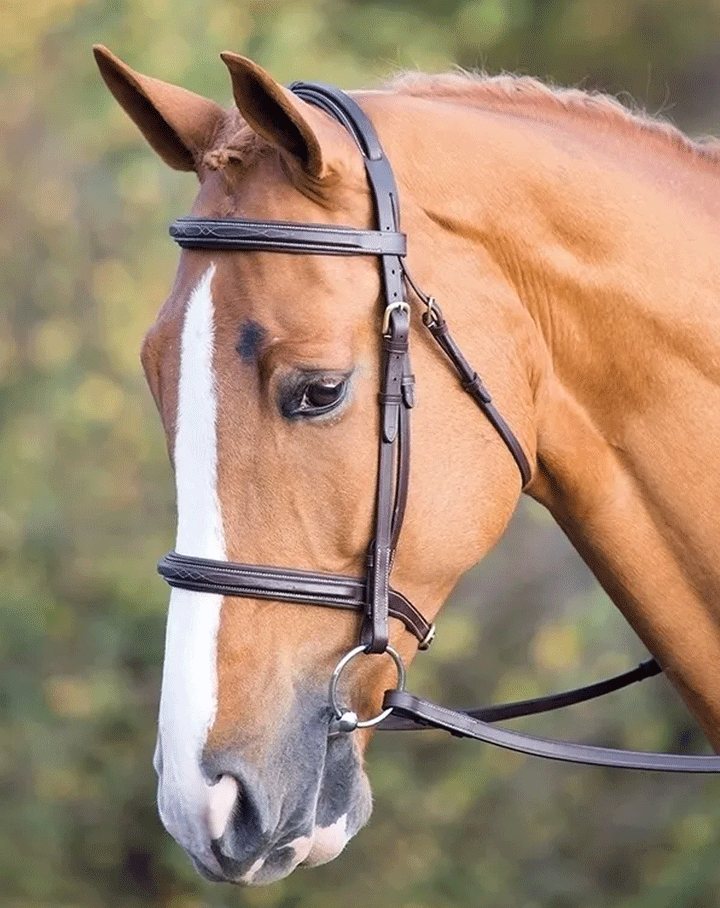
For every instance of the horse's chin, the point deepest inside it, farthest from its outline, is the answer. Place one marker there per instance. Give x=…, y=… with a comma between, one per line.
x=327, y=843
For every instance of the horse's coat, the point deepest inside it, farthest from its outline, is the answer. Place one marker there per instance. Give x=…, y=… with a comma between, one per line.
x=575, y=249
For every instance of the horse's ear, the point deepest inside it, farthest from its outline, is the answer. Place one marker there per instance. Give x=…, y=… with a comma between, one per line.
x=280, y=117
x=178, y=124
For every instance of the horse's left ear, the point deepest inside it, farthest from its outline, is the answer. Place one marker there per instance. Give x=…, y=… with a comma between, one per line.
x=281, y=118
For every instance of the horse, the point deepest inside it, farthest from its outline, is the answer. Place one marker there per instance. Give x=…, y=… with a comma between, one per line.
x=575, y=246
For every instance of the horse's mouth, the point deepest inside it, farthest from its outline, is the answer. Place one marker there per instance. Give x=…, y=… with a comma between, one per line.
x=322, y=846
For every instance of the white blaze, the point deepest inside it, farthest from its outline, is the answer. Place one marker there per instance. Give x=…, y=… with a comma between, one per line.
x=188, y=699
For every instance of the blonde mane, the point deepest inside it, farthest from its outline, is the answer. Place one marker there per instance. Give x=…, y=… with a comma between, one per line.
x=525, y=94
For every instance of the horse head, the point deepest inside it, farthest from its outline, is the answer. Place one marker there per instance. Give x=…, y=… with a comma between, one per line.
x=265, y=370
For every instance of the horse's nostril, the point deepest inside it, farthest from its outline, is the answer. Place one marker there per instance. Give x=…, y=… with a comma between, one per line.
x=222, y=798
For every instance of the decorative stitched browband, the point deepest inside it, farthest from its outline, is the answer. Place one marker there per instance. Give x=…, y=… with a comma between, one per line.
x=282, y=236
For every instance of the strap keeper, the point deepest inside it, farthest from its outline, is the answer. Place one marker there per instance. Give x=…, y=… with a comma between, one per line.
x=475, y=386
x=385, y=397
x=408, y=390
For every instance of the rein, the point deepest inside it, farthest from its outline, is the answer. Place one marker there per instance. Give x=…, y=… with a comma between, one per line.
x=373, y=596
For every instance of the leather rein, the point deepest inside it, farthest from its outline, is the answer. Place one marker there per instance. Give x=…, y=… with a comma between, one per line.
x=372, y=596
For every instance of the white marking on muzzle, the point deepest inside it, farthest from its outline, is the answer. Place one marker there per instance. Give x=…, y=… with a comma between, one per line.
x=327, y=842
x=222, y=798
x=250, y=874
x=321, y=846
x=188, y=700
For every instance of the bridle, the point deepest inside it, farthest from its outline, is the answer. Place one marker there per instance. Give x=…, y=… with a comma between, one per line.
x=373, y=596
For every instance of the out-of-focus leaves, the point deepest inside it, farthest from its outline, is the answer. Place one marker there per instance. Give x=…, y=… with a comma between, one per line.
x=87, y=496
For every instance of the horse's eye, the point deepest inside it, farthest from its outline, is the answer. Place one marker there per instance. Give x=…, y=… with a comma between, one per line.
x=324, y=393
x=314, y=395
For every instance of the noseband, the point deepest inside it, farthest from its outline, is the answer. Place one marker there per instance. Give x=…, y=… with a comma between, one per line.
x=372, y=596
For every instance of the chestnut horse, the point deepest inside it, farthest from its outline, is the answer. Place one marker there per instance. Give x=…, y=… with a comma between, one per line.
x=575, y=249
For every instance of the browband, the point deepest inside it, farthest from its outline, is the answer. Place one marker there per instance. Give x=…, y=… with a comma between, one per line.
x=284, y=236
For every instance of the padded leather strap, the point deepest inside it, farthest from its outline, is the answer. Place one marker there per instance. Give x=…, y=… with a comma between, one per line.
x=251, y=581
x=345, y=110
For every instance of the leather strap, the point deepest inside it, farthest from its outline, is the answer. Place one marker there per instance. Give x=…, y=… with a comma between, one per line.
x=284, y=236
x=392, y=475
x=394, y=369
x=472, y=384
x=346, y=111
x=647, y=669
x=464, y=726
x=252, y=581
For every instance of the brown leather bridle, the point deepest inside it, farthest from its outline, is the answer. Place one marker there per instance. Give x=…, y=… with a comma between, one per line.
x=373, y=596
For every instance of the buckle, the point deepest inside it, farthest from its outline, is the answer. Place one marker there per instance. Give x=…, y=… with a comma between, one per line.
x=427, y=639
x=399, y=304
x=432, y=316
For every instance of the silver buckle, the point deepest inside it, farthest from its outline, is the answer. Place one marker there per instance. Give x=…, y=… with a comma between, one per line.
x=432, y=314
x=399, y=304
x=427, y=639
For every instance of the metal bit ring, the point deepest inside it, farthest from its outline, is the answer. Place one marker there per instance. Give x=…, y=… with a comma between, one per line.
x=346, y=720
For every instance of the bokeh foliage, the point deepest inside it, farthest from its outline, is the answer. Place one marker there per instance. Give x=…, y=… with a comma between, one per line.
x=87, y=496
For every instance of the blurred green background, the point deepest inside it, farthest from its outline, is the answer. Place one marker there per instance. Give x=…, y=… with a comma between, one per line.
x=87, y=503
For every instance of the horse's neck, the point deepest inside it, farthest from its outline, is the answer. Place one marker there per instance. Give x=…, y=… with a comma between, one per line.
x=629, y=312
x=616, y=257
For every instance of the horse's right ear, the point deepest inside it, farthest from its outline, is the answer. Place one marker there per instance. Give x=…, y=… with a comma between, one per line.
x=178, y=124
